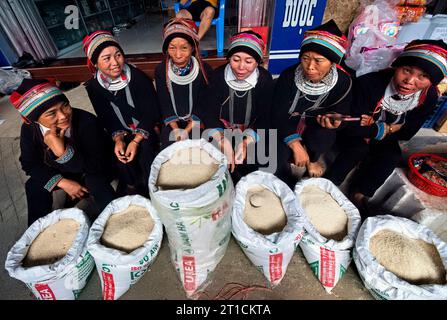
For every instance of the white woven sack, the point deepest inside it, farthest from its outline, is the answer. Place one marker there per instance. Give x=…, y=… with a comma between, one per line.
x=64, y=279
x=272, y=253
x=383, y=284
x=329, y=259
x=119, y=270
x=197, y=220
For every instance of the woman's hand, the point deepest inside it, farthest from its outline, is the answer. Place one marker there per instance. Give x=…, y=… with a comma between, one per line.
x=391, y=128
x=227, y=149
x=329, y=120
x=366, y=120
x=120, y=149
x=132, y=147
x=131, y=150
x=300, y=155
x=54, y=139
x=241, y=150
x=72, y=188
x=180, y=134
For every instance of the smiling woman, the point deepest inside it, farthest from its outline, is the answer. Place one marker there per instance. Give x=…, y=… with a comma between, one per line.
x=181, y=80
x=239, y=103
x=61, y=147
x=125, y=101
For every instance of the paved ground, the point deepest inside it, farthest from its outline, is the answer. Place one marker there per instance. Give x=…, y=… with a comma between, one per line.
x=161, y=281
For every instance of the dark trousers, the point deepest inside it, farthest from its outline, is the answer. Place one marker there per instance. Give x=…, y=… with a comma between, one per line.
x=40, y=200
x=284, y=171
x=352, y=150
x=136, y=173
x=377, y=161
x=383, y=157
x=318, y=140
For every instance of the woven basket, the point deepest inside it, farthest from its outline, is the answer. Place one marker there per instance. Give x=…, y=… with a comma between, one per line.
x=420, y=181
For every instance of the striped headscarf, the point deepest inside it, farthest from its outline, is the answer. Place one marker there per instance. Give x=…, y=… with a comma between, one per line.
x=326, y=40
x=248, y=42
x=94, y=43
x=429, y=55
x=186, y=29
x=33, y=97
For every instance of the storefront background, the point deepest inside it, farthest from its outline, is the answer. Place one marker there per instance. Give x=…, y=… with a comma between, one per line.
x=292, y=19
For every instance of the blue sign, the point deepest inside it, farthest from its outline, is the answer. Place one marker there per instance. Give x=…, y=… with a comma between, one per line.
x=292, y=19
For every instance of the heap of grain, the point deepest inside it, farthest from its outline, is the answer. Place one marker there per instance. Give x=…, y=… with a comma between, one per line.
x=52, y=244
x=128, y=230
x=187, y=169
x=412, y=260
x=263, y=211
x=324, y=213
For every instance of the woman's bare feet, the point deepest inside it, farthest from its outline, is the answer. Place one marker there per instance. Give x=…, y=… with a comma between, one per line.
x=315, y=169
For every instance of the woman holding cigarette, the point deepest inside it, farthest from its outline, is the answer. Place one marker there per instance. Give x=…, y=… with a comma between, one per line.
x=393, y=104
x=307, y=96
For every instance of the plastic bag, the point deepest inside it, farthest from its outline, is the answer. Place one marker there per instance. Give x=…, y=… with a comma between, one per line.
x=383, y=284
x=328, y=258
x=118, y=270
x=272, y=253
x=373, y=59
x=375, y=27
x=64, y=279
x=10, y=80
x=197, y=221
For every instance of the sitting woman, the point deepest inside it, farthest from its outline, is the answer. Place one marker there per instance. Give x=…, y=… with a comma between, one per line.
x=393, y=104
x=125, y=101
x=308, y=98
x=238, y=103
x=61, y=147
x=180, y=80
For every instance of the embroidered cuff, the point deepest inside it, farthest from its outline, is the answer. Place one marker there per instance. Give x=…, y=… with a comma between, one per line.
x=292, y=137
x=118, y=133
x=53, y=182
x=141, y=132
x=212, y=132
x=253, y=134
x=168, y=120
x=380, y=130
x=69, y=152
x=195, y=118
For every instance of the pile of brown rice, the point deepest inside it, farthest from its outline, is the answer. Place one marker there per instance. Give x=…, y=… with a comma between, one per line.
x=412, y=260
x=128, y=230
x=52, y=244
x=187, y=169
x=263, y=211
x=327, y=216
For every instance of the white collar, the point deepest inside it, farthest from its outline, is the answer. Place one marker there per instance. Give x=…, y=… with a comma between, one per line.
x=189, y=78
x=241, y=85
x=114, y=84
x=397, y=107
